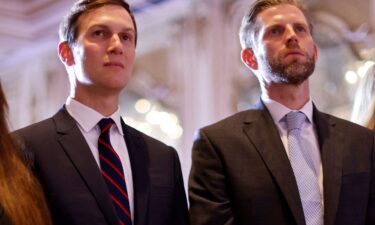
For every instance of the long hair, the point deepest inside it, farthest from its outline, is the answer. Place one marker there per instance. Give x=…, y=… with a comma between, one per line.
x=364, y=103
x=21, y=196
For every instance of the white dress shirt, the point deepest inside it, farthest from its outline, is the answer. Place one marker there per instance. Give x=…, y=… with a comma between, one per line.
x=87, y=120
x=308, y=132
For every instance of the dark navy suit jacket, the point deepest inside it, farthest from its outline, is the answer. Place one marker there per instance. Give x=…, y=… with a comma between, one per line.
x=75, y=189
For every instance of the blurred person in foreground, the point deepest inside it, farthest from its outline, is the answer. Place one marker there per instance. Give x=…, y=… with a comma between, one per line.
x=282, y=162
x=21, y=198
x=364, y=102
x=95, y=169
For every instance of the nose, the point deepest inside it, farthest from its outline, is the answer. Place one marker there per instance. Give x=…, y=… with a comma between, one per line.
x=291, y=35
x=115, y=45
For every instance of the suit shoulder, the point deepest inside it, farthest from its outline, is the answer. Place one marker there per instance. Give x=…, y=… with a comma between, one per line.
x=234, y=121
x=345, y=125
x=40, y=128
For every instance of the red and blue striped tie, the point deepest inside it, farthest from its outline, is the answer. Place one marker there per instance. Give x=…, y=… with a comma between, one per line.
x=113, y=174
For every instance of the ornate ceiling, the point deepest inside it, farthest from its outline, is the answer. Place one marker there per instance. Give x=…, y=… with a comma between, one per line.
x=21, y=21
x=24, y=22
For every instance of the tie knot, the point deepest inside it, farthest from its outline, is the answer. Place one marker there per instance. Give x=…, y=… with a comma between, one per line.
x=105, y=124
x=294, y=120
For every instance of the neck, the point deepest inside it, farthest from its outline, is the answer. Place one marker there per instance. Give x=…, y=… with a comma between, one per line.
x=104, y=104
x=292, y=96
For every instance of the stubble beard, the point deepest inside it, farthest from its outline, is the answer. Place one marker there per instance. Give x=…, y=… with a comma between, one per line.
x=295, y=72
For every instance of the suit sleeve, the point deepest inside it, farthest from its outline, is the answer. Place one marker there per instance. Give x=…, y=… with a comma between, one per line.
x=180, y=214
x=371, y=204
x=208, y=193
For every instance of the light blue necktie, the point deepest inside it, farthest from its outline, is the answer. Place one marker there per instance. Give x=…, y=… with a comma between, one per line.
x=306, y=177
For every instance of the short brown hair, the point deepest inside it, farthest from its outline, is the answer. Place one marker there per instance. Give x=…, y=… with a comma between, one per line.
x=69, y=28
x=247, y=25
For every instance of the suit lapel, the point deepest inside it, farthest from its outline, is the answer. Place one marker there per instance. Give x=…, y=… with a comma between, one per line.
x=139, y=160
x=330, y=141
x=79, y=153
x=263, y=134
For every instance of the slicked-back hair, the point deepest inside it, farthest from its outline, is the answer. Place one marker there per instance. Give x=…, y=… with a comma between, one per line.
x=69, y=25
x=248, y=28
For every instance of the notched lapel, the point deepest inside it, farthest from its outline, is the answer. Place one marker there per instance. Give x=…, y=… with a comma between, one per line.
x=263, y=134
x=77, y=150
x=139, y=160
x=331, y=141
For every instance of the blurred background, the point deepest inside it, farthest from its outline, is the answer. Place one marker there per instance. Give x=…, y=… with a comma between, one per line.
x=188, y=71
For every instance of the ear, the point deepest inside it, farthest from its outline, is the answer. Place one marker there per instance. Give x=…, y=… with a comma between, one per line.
x=247, y=56
x=65, y=53
x=315, y=52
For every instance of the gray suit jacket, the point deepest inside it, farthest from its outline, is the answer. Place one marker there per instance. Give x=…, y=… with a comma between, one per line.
x=75, y=189
x=241, y=173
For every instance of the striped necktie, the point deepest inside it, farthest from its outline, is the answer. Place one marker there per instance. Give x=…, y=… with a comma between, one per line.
x=112, y=171
x=307, y=179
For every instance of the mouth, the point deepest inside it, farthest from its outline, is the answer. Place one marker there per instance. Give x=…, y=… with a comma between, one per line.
x=114, y=64
x=294, y=53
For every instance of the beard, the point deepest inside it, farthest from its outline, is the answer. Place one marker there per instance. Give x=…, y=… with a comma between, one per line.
x=294, y=72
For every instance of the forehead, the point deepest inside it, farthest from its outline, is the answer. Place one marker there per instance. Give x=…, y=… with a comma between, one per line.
x=109, y=15
x=280, y=14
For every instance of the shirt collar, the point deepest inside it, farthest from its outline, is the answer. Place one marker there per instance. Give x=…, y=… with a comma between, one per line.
x=278, y=110
x=87, y=117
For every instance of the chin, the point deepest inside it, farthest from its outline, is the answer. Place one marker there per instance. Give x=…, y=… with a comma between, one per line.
x=297, y=79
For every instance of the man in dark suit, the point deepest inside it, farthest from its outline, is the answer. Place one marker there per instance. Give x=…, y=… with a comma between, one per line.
x=104, y=173
x=256, y=167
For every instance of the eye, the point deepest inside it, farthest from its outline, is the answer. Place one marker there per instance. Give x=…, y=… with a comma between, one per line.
x=275, y=31
x=98, y=33
x=126, y=37
x=300, y=29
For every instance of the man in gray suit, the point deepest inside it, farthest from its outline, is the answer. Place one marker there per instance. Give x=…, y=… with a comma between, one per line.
x=256, y=167
x=104, y=173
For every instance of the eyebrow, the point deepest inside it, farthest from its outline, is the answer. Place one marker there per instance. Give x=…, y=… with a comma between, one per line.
x=301, y=24
x=126, y=29
x=281, y=25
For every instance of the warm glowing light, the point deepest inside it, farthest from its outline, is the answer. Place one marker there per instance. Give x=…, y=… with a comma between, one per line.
x=165, y=118
x=142, y=106
x=155, y=121
x=362, y=70
x=145, y=128
x=369, y=63
x=351, y=77
x=129, y=120
x=153, y=117
x=166, y=126
x=176, y=132
x=173, y=118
